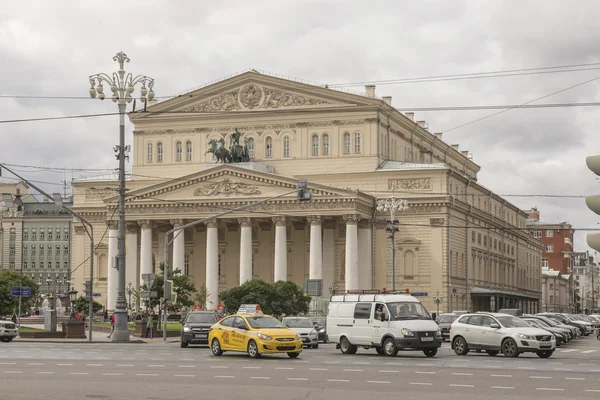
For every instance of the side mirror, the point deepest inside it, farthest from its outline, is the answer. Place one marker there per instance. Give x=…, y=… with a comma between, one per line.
x=384, y=318
x=181, y=321
x=494, y=326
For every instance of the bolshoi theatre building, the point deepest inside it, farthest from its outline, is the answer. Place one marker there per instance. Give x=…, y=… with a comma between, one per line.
x=457, y=240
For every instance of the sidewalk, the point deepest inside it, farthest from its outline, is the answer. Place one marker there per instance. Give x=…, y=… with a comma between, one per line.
x=97, y=337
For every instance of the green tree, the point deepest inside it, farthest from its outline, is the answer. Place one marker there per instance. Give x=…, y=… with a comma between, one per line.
x=277, y=299
x=83, y=305
x=202, y=296
x=10, y=304
x=182, y=286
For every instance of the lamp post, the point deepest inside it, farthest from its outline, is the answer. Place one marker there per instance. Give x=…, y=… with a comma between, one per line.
x=122, y=86
x=437, y=299
x=72, y=299
x=393, y=206
x=129, y=292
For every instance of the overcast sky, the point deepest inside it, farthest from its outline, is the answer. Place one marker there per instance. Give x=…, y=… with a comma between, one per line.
x=49, y=48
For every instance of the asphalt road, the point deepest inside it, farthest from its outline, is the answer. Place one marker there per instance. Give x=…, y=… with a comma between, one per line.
x=165, y=371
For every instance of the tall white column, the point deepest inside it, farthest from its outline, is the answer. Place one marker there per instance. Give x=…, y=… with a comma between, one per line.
x=281, y=268
x=315, y=270
x=365, y=256
x=113, y=273
x=212, y=264
x=245, y=250
x=131, y=262
x=328, y=257
x=351, y=251
x=178, y=246
x=145, y=248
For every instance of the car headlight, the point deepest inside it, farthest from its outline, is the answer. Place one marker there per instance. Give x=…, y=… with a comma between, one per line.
x=322, y=330
x=438, y=333
x=298, y=337
x=187, y=329
x=524, y=336
x=407, y=332
x=262, y=336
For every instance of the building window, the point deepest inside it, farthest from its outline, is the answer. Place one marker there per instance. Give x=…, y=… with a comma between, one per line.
x=66, y=250
x=479, y=238
x=178, y=151
x=149, y=152
x=549, y=248
x=315, y=145
x=537, y=234
x=250, y=145
x=346, y=143
x=549, y=233
x=186, y=265
x=42, y=251
x=50, y=234
x=24, y=264
x=159, y=152
x=57, y=233
x=66, y=265
x=33, y=265
x=325, y=144
x=286, y=146
x=268, y=147
x=42, y=264
x=42, y=234
x=188, y=151
x=66, y=231
x=25, y=234
x=473, y=237
x=357, y=142
x=33, y=250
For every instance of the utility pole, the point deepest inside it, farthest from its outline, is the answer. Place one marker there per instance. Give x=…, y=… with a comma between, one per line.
x=122, y=86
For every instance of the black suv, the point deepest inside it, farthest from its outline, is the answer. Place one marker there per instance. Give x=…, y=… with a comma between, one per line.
x=195, y=327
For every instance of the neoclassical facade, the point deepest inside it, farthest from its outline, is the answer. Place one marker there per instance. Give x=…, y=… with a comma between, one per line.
x=456, y=238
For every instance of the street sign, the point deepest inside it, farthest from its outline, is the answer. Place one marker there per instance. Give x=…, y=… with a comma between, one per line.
x=313, y=287
x=149, y=279
x=20, y=291
x=419, y=294
x=97, y=294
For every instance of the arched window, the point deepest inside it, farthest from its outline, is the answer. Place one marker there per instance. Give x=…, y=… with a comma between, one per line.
x=186, y=265
x=325, y=144
x=268, y=147
x=357, y=142
x=188, y=151
x=178, y=151
x=409, y=263
x=346, y=143
x=315, y=145
x=149, y=152
x=251, y=147
x=286, y=146
x=159, y=152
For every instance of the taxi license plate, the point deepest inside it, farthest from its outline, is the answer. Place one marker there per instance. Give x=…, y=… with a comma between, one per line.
x=426, y=339
x=200, y=335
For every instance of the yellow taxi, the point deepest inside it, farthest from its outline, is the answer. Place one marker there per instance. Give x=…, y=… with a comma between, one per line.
x=252, y=332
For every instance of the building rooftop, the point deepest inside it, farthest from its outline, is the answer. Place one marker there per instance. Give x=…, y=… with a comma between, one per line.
x=112, y=177
x=404, y=166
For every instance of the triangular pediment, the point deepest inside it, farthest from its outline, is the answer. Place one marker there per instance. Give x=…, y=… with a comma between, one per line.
x=409, y=242
x=253, y=91
x=229, y=183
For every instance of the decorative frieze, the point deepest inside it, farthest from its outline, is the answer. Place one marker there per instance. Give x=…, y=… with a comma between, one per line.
x=409, y=184
x=99, y=194
x=226, y=187
x=436, y=221
x=79, y=229
x=112, y=224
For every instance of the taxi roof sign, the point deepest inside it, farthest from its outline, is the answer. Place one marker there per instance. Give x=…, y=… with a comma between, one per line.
x=249, y=309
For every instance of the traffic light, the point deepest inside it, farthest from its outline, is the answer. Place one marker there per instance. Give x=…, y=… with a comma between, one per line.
x=593, y=202
x=304, y=193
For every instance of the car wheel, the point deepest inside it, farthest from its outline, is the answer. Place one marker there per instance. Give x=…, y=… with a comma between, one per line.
x=293, y=355
x=492, y=353
x=184, y=344
x=379, y=351
x=347, y=347
x=430, y=352
x=3, y=339
x=216, y=347
x=460, y=346
x=544, y=353
x=316, y=346
x=389, y=347
x=509, y=348
x=253, y=349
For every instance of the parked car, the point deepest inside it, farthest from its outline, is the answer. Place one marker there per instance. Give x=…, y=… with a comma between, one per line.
x=558, y=333
x=575, y=331
x=8, y=331
x=496, y=333
x=305, y=327
x=195, y=327
x=444, y=322
x=321, y=324
x=517, y=312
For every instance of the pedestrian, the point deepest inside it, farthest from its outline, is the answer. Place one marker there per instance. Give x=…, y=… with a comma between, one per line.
x=149, y=326
x=112, y=325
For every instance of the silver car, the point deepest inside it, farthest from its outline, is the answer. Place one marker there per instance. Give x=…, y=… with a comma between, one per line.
x=305, y=328
x=8, y=331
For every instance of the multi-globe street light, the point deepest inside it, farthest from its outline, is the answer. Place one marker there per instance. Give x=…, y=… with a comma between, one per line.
x=393, y=206
x=122, y=86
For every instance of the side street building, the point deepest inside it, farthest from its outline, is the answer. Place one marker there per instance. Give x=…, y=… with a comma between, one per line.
x=457, y=239
x=587, y=278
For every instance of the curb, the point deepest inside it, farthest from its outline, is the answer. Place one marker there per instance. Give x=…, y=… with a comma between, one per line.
x=76, y=341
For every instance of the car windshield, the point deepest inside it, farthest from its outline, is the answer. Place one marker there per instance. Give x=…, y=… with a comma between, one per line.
x=402, y=310
x=298, y=323
x=512, y=322
x=319, y=321
x=265, y=322
x=204, y=318
x=445, y=319
x=543, y=323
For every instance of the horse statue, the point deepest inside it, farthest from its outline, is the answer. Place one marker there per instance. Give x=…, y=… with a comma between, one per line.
x=238, y=153
x=220, y=152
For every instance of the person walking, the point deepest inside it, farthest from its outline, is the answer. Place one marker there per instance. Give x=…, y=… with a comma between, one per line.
x=112, y=325
x=149, y=326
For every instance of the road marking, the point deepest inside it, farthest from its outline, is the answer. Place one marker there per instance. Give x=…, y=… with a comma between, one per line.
x=260, y=377
x=13, y=372
x=147, y=374
x=338, y=380
x=7, y=363
x=388, y=370
x=540, y=377
x=567, y=350
x=252, y=367
x=224, y=376
x=529, y=368
x=421, y=383
x=79, y=373
x=456, y=385
x=331, y=362
x=593, y=390
x=280, y=367
x=122, y=365
x=155, y=365
x=458, y=366
x=297, y=379
x=112, y=374
x=185, y=376
x=186, y=366
x=502, y=376
x=588, y=351
x=555, y=389
x=128, y=358
x=35, y=363
x=353, y=370
x=575, y=379
x=45, y=372
x=157, y=359
x=424, y=372
x=219, y=366
x=391, y=363
x=462, y=373
x=378, y=382
x=425, y=365
x=587, y=365
x=318, y=369
x=95, y=365
x=562, y=369
x=502, y=387
x=361, y=362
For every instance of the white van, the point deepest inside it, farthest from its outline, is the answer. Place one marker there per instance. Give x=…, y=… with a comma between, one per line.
x=385, y=322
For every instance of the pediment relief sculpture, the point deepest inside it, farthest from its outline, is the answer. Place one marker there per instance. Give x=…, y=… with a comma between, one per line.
x=253, y=96
x=226, y=187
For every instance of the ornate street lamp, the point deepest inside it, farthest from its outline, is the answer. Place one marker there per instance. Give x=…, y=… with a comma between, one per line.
x=393, y=206
x=122, y=86
x=72, y=298
x=437, y=299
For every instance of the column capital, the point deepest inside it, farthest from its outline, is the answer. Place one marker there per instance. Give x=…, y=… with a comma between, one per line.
x=177, y=222
x=279, y=220
x=112, y=223
x=79, y=229
x=245, y=222
x=145, y=223
x=314, y=219
x=351, y=219
x=211, y=223
x=131, y=227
